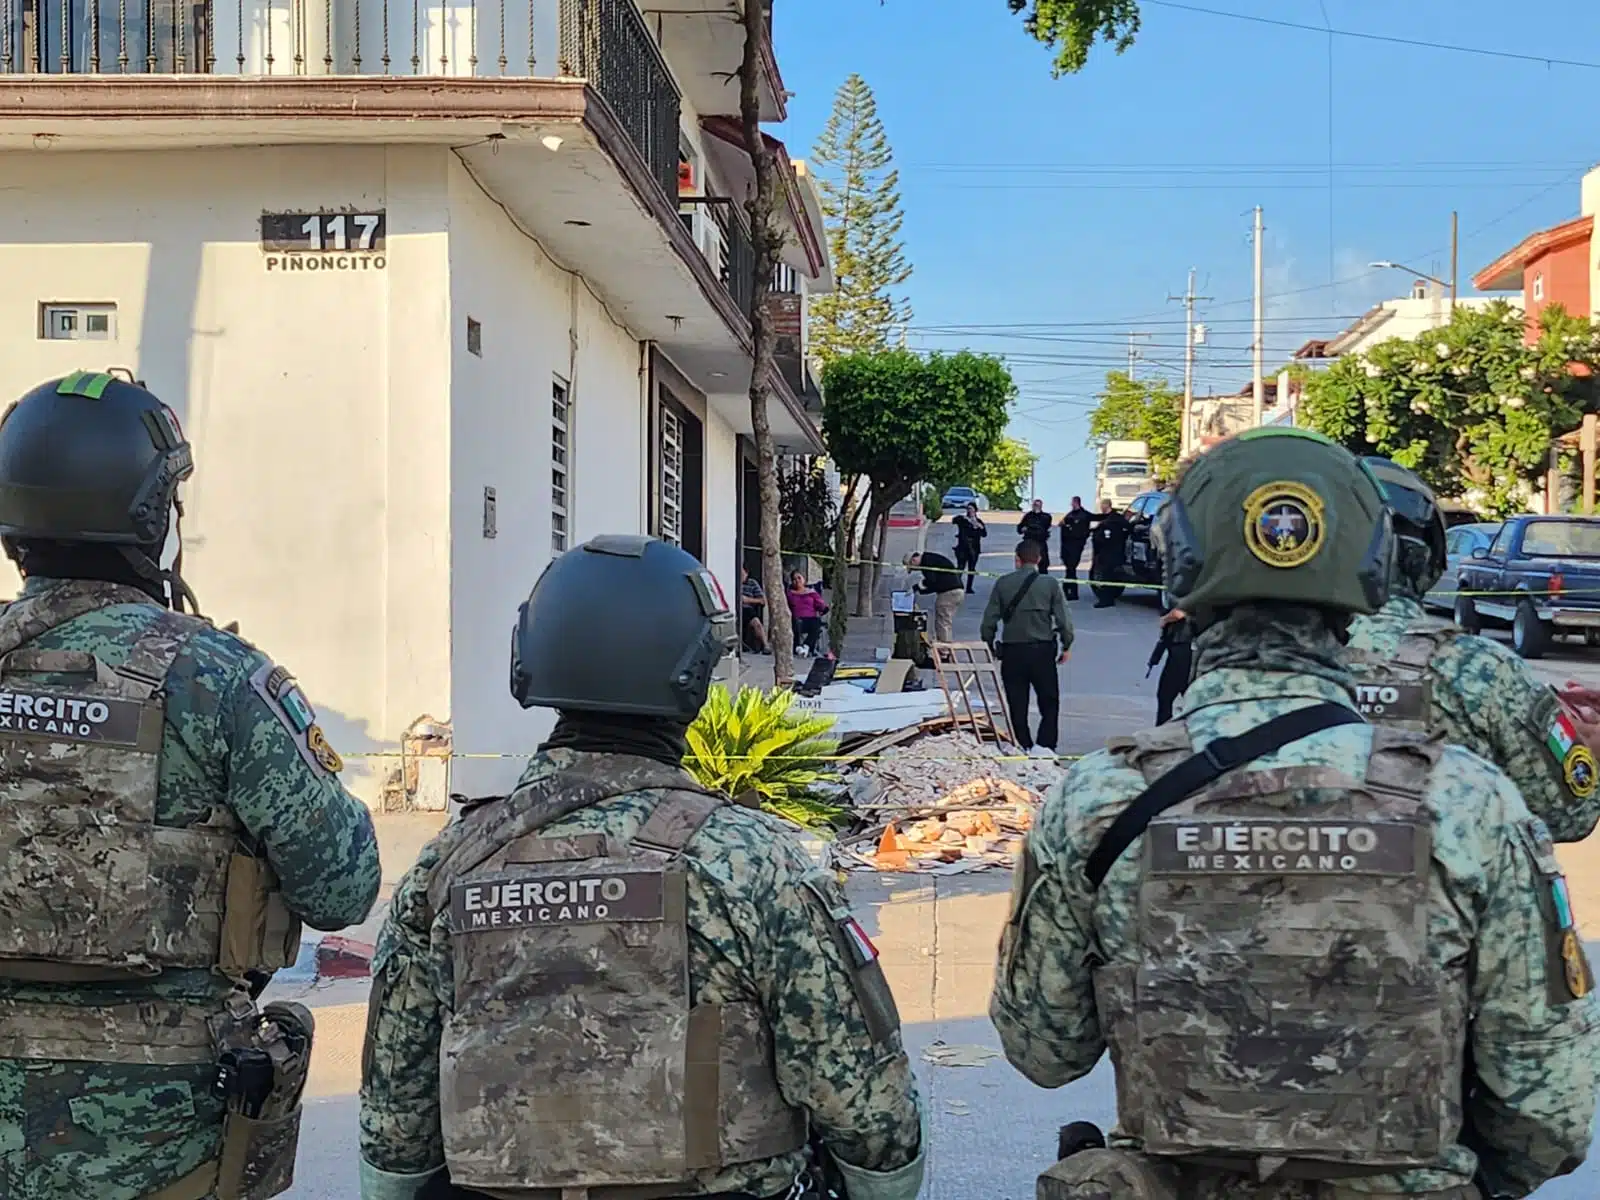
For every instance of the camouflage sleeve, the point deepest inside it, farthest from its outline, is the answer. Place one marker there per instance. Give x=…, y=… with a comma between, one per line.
x=1534, y=1040
x=1043, y=1003
x=1517, y=718
x=836, y=1033
x=400, y=1130
x=284, y=788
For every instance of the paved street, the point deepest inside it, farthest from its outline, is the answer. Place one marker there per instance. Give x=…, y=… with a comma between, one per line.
x=992, y=1131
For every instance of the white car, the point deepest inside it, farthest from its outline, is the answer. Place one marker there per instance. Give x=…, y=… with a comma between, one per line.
x=957, y=498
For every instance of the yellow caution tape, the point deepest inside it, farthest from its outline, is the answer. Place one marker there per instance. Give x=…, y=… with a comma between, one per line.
x=1126, y=583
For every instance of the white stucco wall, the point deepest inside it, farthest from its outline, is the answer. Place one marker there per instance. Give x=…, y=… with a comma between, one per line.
x=501, y=438
x=316, y=401
x=722, y=503
x=343, y=434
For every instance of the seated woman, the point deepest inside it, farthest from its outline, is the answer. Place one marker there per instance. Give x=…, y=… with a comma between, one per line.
x=807, y=606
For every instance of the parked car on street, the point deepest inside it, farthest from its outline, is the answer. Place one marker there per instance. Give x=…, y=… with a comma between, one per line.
x=1455, y=513
x=1540, y=574
x=957, y=498
x=1143, y=563
x=1459, y=542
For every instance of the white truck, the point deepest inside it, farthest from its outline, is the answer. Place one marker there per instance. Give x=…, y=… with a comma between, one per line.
x=1124, y=471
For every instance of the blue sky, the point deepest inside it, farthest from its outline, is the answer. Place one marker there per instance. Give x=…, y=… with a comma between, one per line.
x=1069, y=210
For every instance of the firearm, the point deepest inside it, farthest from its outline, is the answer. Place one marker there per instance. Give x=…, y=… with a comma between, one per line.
x=1162, y=644
x=261, y=1077
x=821, y=1180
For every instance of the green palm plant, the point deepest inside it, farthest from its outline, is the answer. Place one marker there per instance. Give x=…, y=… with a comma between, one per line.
x=755, y=743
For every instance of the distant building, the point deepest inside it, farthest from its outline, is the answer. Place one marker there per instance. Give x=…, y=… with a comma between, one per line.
x=1215, y=418
x=1408, y=317
x=1552, y=266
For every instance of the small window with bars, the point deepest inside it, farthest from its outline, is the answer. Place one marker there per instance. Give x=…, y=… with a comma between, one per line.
x=560, y=465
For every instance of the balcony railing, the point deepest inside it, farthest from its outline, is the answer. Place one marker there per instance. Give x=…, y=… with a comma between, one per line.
x=723, y=235
x=738, y=259
x=604, y=41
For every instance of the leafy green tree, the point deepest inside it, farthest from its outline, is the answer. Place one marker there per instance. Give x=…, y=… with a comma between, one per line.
x=897, y=418
x=1469, y=407
x=1140, y=410
x=1004, y=472
x=807, y=509
x=1072, y=27
x=860, y=195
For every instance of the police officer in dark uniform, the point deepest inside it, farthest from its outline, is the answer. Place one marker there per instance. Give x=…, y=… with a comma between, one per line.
x=565, y=968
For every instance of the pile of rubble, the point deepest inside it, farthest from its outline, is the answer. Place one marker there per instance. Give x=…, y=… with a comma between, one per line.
x=935, y=798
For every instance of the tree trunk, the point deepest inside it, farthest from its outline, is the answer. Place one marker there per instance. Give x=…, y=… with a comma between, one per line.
x=877, y=519
x=766, y=242
x=878, y=548
x=851, y=483
x=839, y=613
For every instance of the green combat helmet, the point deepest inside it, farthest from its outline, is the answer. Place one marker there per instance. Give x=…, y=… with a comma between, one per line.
x=1420, y=554
x=1277, y=515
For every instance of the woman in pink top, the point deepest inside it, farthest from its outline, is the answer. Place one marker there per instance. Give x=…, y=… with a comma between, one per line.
x=807, y=606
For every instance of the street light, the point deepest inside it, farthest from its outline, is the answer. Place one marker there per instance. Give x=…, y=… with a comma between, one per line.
x=1455, y=242
x=1394, y=266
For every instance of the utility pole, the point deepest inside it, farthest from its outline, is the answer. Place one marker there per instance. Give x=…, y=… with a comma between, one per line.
x=1257, y=385
x=1133, y=350
x=1188, y=299
x=1455, y=259
x=1033, y=480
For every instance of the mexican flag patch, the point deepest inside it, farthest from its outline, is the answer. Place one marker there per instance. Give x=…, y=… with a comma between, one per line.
x=862, y=950
x=1561, y=737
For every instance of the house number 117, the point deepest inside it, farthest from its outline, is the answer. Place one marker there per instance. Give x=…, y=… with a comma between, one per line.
x=332, y=232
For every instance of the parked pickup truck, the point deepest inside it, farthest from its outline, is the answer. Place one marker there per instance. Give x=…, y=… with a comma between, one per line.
x=1539, y=574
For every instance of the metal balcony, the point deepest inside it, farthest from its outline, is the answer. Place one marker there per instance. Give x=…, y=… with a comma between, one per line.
x=605, y=42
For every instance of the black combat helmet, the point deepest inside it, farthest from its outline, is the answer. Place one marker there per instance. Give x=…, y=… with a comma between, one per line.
x=92, y=458
x=621, y=624
x=1418, y=525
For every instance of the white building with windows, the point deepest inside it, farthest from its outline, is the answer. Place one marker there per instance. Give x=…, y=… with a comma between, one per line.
x=430, y=308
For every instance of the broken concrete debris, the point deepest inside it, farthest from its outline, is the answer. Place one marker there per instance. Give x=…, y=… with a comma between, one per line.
x=937, y=800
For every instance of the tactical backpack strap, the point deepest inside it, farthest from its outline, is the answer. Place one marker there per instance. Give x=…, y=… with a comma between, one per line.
x=1154, y=752
x=678, y=816
x=24, y=620
x=145, y=670
x=1198, y=770
x=1402, y=763
x=1420, y=643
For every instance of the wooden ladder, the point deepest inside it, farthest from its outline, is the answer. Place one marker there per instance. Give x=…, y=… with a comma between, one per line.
x=963, y=667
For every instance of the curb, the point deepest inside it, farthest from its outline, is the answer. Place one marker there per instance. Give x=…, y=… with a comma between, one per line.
x=331, y=957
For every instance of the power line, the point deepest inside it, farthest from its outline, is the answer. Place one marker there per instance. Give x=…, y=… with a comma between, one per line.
x=1476, y=166
x=1360, y=35
x=989, y=185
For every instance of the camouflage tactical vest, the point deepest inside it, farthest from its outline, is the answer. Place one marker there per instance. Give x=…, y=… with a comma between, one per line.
x=1397, y=691
x=574, y=1064
x=1284, y=1018
x=93, y=889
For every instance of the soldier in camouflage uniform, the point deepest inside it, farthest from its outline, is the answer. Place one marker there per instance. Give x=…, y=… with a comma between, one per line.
x=1414, y=674
x=1332, y=961
x=611, y=983
x=171, y=813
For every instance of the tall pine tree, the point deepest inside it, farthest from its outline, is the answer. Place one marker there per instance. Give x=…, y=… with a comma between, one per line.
x=860, y=194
